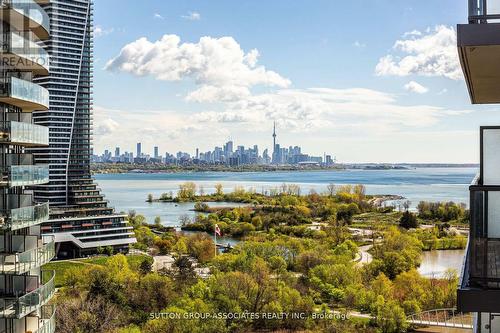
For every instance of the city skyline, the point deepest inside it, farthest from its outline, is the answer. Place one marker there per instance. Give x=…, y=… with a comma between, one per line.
x=228, y=153
x=370, y=97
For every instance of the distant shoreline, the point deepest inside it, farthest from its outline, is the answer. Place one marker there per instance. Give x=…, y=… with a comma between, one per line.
x=125, y=168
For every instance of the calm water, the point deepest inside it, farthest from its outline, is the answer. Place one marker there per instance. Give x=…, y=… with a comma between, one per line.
x=436, y=263
x=129, y=191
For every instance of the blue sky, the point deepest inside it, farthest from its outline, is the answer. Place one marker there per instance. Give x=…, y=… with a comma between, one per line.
x=364, y=80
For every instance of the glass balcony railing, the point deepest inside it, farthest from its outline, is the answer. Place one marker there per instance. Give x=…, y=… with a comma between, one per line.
x=19, y=263
x=32, y=301
x=23, y=94
x=47, y=320
x=34, y=57
x=26, y=175
x=484, y=11
x=14, y=132
x=31, y=10
x=484, y=236
x=28, y=216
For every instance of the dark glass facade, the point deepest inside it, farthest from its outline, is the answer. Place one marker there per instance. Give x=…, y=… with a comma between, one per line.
x=79, y=214
x=25, y=289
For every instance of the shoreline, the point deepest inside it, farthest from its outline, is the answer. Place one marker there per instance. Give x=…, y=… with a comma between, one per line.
x=162, y=169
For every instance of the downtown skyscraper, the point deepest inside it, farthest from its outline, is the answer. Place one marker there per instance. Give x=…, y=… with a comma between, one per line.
x=25, y=287
x=80, y=218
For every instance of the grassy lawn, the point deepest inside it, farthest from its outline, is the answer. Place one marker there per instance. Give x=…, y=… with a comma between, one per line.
x=366, y=220
x=60, y=267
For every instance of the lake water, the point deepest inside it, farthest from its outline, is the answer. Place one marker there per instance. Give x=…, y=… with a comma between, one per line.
x=129, y=191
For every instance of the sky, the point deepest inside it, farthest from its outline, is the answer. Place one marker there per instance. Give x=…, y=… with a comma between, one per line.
x=362, y=80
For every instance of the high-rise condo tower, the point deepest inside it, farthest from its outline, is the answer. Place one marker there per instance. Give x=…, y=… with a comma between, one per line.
x=80, y=218
x=24, y=288
x=479, y=51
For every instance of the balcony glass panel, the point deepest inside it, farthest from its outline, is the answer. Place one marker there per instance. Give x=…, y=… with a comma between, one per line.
x=484, y=241
x=25, y=175
x=23, y=262
x=493, y=6
x=26, y=48
x=28, y=91
x=32, y=10
x=28, y=216
x=29, y=133
x=32, y=301
x=48, y=320
x=38, y=297
x=24, y=133
x=484, y=11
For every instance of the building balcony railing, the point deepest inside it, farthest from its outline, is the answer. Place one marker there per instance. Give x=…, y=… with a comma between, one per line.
x=484, y=245
x=26, y=175
x=20, y=263
x=47, y=320
x=484, y=11
x=24, y=15
x=479, y=288
x=22, y=306
x=23, y=94
x=27, y=216
x=21, y=52
x=25, y=134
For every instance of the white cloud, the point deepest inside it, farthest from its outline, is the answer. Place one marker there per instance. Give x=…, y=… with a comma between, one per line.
x=224, y=75
x=433, y=53
x=415, y=87
x=125, y=128
x=158, y=16
x=100, y=31
x=192, y=16
x=307, y=110
x=221, y=69
x=106, y=126
x=412, y=33
x=358, y=44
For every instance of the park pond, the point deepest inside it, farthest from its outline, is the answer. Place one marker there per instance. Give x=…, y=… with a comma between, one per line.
x=436, y=263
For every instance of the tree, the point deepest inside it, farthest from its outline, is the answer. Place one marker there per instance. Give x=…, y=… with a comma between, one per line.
x=152, y=294
x=146, y=266
x=72, y=278
x=219, y=189
x=391, y=317
x=408, y=220
x=183, y=271
x=109, y=250
x=158, y=221
x=94, y=315
x=150, y=198
x=331, y=189
x=187, y=191
x=201, y=246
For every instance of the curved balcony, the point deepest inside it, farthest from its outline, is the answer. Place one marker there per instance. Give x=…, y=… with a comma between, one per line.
x=47, y=321
x=27, y=175
x=23, y=134
x=26, y=15
x=24, y=94
x=20, y=263
x=22, y=306
x=23, y=54
x=27, y=216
